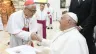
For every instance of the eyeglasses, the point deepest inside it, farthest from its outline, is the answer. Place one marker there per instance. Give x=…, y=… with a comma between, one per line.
x=29, y=12
x=32, y=11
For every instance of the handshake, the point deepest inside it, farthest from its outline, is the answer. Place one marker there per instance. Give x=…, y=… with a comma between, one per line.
x=34, y=36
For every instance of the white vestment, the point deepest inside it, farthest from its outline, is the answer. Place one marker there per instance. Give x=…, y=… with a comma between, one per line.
x=51, y=14
x=41, y=15
x=69, y=41
x=15, y=25
x=1, y=24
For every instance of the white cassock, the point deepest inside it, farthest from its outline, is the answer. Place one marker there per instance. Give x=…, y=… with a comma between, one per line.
x=69, y=41
x=41, y=19
x=50, y=13
x=1, y=24
x=15, y=26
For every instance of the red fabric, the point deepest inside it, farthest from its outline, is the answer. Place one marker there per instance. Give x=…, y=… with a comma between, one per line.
x=50, y=20
x=29, y=2
x=43, y=22
x=48, y=12
x=25, y=29
x=32, y=44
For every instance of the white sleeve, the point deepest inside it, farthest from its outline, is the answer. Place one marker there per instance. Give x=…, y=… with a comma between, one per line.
x=1, y=24
x=14, y=29
x=24, y=35
x=33, y=29
x=45, y=42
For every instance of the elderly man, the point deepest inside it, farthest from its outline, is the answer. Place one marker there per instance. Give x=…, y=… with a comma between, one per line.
x=22, y=25
x=69, y=40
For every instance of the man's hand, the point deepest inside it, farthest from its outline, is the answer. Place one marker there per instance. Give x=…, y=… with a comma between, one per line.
x=30, y=42
x=35, y=37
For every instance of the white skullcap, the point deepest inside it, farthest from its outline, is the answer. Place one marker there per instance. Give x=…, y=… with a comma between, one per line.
x=73, y=16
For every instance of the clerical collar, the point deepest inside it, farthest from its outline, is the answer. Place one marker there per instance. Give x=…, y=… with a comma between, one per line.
x=69, y=29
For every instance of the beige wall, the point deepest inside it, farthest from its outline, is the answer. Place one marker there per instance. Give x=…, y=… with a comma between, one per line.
x=18, y=4
x=55, y=4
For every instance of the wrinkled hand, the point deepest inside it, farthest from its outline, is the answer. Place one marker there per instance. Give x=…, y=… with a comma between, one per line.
x=35, y=37
x=30, y=42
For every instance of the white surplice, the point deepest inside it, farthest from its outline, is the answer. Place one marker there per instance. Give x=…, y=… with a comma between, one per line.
x=69, y=41
x=1, y=24
x=41, y=15
x=49, y=9
x=15, y=25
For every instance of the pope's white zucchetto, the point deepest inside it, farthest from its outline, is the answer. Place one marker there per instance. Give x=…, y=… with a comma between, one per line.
x=73, y=16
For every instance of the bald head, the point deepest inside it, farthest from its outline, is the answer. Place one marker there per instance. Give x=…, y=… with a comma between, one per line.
x=67, y=21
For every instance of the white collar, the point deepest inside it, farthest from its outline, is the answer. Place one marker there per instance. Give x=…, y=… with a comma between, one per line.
x=67, y=30
x=63, y=32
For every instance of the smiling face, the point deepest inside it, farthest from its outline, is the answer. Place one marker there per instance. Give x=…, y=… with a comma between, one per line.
x=64, y=22
x=29, y=12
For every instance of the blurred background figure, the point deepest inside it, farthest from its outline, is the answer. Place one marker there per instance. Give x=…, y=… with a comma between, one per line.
x=1, y=24
x=41, y=19
x=6, y=10
x=50, y=13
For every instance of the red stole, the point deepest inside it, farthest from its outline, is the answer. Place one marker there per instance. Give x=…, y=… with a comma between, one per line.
x=50, y=17
x=48, y=12
x=25, y=29
x=43, y=22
